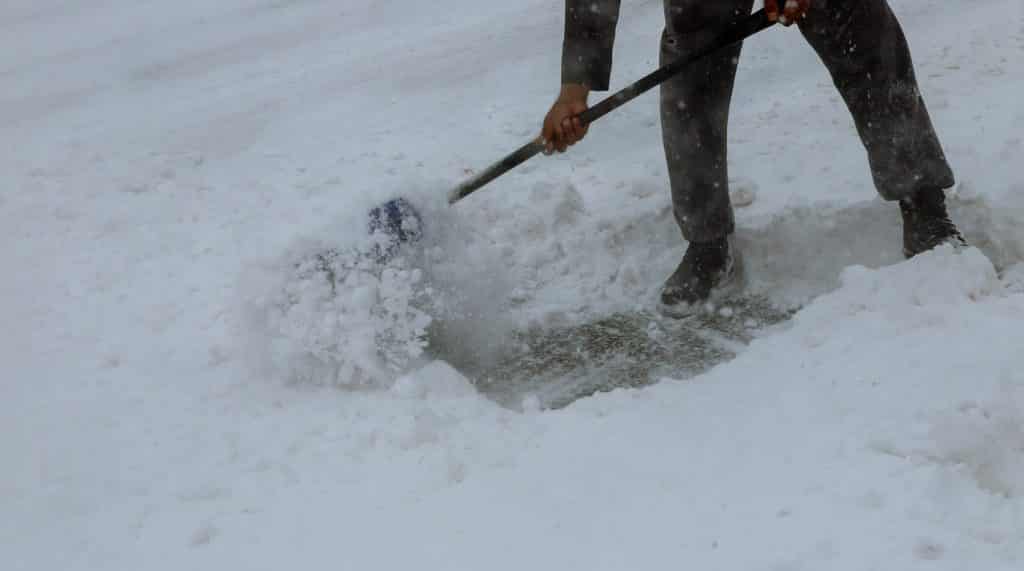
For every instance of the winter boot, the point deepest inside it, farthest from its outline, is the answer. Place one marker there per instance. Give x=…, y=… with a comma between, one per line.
x=926, y=223
x=706, y=267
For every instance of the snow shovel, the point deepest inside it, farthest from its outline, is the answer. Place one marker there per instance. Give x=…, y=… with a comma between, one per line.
x=401, y=223
x=735, y=33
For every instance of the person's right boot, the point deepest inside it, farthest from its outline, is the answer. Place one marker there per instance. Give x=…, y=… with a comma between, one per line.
x=926, y=223
x=706, y=266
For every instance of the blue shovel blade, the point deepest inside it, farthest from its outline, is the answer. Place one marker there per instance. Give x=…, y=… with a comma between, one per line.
x=398, y=223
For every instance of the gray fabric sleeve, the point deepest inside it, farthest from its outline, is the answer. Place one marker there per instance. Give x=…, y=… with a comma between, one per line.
x=589, y=37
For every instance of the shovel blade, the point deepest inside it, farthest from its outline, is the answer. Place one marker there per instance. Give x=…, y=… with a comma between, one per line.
x=394, y=223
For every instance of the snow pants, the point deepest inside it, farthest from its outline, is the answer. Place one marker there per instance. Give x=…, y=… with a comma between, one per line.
x=863, y=47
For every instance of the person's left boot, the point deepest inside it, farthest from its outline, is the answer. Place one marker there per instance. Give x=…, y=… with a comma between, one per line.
x=707, y=267
x=926, y=223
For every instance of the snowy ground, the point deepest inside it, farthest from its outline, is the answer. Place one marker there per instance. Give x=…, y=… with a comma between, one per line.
x=160, y=160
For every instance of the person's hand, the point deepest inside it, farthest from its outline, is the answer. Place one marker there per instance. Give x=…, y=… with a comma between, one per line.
x=562, y=128
x=792, y=10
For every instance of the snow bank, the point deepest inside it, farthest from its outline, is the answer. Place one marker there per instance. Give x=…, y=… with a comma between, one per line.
x=887, y=441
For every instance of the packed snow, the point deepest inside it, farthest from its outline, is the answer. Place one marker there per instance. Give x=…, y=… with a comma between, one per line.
x=202, y=371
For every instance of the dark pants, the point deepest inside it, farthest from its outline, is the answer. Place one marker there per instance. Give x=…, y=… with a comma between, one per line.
x=861, y=43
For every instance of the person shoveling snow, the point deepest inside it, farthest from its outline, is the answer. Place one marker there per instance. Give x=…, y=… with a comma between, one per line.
x=863, y=47
x=860, y=42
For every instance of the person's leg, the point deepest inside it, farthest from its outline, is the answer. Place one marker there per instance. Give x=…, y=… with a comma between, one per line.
x=863, y=46
x=695, y=116
x=694, y=121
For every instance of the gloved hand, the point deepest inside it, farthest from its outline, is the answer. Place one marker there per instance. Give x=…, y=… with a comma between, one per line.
x=792, y=10
x=561, y=130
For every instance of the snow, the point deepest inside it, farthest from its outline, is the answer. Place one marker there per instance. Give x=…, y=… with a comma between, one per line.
x=166, y=164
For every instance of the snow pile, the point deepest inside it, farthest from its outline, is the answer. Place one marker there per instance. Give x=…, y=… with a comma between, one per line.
x=357, y=309
x=338, y=316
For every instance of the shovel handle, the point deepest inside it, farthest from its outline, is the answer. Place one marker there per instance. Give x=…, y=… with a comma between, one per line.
x=735, y=33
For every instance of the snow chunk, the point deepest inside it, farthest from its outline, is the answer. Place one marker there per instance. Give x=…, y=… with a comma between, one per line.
x=436, y=380
x=743, y=192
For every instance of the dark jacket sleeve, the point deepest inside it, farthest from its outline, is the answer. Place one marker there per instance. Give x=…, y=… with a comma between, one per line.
x=589, y=37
